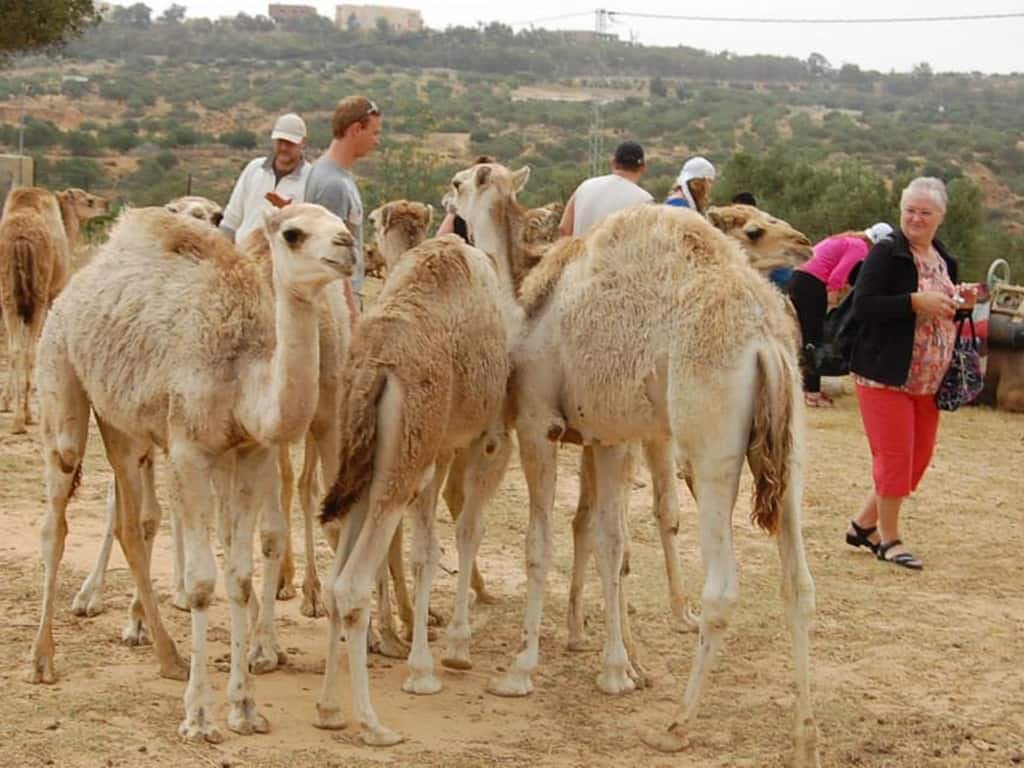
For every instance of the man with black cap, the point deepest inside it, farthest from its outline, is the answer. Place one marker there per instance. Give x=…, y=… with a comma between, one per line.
x=601, y=196
x=269, y=182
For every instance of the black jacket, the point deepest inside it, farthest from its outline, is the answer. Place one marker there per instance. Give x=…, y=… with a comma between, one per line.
x=881, y=306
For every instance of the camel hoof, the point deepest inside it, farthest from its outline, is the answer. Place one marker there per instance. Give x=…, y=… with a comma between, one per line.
x=579, y=645
x=18, y=429
x=483, y=597
x=88, y=603
x=180, y=601
x=245, y=720
x=328, y=718
x=513, y=684
x=435, y=618
x=387, y=644
x=807, y=745
x=198, y=728
x=452, y=661
x=286, y=592
x=265, y=657
x=176, y=669
x=615, y=682
x=422, y=685
x=312, y=606
x=671, y=739
x=135, y=634
x=381, y=737
x=42, y=671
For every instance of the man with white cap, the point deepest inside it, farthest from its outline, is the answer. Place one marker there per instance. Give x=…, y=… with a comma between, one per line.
x=693, y=185
x=269, y=182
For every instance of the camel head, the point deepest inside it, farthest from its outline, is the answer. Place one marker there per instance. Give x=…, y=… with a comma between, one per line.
x=399, y=226
x=541, y=224
x=84, y=204
x=769, y=243
x=475, y=191
x=309, y=246
x=197, y=207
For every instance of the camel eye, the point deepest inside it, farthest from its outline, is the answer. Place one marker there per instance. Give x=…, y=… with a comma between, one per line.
x=293, y=236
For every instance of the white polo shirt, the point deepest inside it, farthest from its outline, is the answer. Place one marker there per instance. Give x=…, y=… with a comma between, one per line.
x=599, y=197
x=244, y=211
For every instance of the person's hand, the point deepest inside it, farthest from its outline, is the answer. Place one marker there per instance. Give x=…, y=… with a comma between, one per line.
x=968, y=293
x=276, y=200
x=929, y=304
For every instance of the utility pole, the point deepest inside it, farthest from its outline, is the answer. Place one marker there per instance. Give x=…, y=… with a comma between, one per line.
x=597, y=158
x=21, y=121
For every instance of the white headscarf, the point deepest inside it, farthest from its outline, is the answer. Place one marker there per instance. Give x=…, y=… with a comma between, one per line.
x=696, y=167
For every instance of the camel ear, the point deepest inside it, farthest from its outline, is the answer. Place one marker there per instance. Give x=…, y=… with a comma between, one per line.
x=483, y=173
x=716, y=219
x=520, y=177
x=269, y=222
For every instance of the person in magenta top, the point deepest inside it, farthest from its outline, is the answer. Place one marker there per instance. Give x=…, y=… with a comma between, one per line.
x=819, y=283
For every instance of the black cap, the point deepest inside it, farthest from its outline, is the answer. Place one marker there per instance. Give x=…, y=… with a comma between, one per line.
x=629, y=155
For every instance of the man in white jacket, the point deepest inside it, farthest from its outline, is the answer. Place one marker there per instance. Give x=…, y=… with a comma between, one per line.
x=269, y=182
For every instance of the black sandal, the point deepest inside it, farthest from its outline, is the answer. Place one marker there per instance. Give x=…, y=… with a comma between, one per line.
x=860, y=538
x=904, y=559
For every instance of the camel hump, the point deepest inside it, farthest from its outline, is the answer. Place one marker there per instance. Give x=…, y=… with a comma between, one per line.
x=542, y=279
x=23, y=241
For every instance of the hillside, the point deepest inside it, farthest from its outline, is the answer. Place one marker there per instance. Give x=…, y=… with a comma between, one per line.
x=149, y=104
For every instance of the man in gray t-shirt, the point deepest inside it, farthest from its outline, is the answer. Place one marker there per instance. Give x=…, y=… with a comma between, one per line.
x=356, y=130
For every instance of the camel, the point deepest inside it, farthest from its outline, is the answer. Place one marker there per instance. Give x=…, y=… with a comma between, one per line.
x=217, y=376
x=197, y=207
x=426, y=376
x=38, y=235
x=655, y=328
x=768, y=242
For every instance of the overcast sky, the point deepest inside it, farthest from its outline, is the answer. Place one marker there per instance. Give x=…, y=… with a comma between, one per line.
x=987, y=46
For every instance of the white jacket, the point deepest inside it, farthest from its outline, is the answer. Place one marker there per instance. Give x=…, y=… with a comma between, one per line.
x=244, y=212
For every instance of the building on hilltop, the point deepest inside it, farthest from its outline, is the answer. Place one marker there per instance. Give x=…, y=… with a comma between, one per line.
x=366, y=17
x=283, y=11
x=585, y=36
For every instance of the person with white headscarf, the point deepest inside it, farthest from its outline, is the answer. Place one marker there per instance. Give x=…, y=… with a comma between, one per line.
x=693, y=185
x=820, y=283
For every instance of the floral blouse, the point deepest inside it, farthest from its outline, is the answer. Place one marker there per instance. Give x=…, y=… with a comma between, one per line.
x=933, y=338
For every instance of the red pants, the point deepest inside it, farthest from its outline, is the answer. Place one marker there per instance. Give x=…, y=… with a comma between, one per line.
x=901, y=431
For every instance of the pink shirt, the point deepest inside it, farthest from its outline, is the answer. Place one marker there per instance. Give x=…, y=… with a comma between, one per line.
x=833, y=259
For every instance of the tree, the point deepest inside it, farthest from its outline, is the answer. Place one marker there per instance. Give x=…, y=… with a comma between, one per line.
x=41, y=23
x=818, y=65
x=175, y=14
x=139, y=15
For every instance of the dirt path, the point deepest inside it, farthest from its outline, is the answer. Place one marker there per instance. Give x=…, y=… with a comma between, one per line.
x=910, y=669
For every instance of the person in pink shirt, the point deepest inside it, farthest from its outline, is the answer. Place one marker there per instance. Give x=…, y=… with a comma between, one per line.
x=818, y=284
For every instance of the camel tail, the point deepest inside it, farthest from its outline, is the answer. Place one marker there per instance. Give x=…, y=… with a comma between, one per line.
x=358, y=444
x=19, y=254
x=772, y=450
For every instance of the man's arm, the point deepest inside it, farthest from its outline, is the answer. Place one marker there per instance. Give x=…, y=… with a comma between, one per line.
x=234, y=212
x=568, y=217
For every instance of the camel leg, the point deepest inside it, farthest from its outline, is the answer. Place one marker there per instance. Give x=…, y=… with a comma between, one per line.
x=384, y=640
x=425, y=555
x=454, y=498
x=611, y=470
x=136, y=632
x=539, y=457
x=266, y=655
x=581, y=551
x=486, y=460
x=798, y=599
x=666, y=514
x=254, y=481
x=285, y=582
x=192, y=471
x=21, y=338
x=89, y=600
x=328, y=708
x=314, y=451
x=716, y=483
x=64, y=416
x=8, y=391
x=127, y=456
x=180, y=596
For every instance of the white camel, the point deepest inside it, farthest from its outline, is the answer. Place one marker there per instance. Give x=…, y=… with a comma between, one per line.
x=655, y=328
x=219, y=370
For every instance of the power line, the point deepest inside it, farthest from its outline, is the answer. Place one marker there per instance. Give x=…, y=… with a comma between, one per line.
x=798, y=20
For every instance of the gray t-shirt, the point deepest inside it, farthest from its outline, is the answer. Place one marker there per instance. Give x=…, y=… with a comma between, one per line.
x=335, y=189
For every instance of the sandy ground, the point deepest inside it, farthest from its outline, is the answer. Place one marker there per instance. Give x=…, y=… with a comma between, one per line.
x=910, y=669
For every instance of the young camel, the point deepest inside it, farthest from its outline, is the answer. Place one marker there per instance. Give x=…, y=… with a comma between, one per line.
x=217, y=376
x=426, y=376
x=38, y=234
x=654, y=328
x=202, y=208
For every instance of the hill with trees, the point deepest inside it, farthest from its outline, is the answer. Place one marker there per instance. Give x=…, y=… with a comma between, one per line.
x=143, y=107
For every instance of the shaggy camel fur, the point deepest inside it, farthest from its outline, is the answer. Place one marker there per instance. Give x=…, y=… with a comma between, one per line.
x=197, y=207
x=656, y=329
x=217, y=377
x=399, y=226
x=426, y=376
x=38, y=234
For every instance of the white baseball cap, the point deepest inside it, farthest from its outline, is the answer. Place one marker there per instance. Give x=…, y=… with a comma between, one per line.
x=289, y=127
x=878, y=231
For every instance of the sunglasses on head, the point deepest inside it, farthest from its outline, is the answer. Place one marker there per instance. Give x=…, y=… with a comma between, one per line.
x=371, y=109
